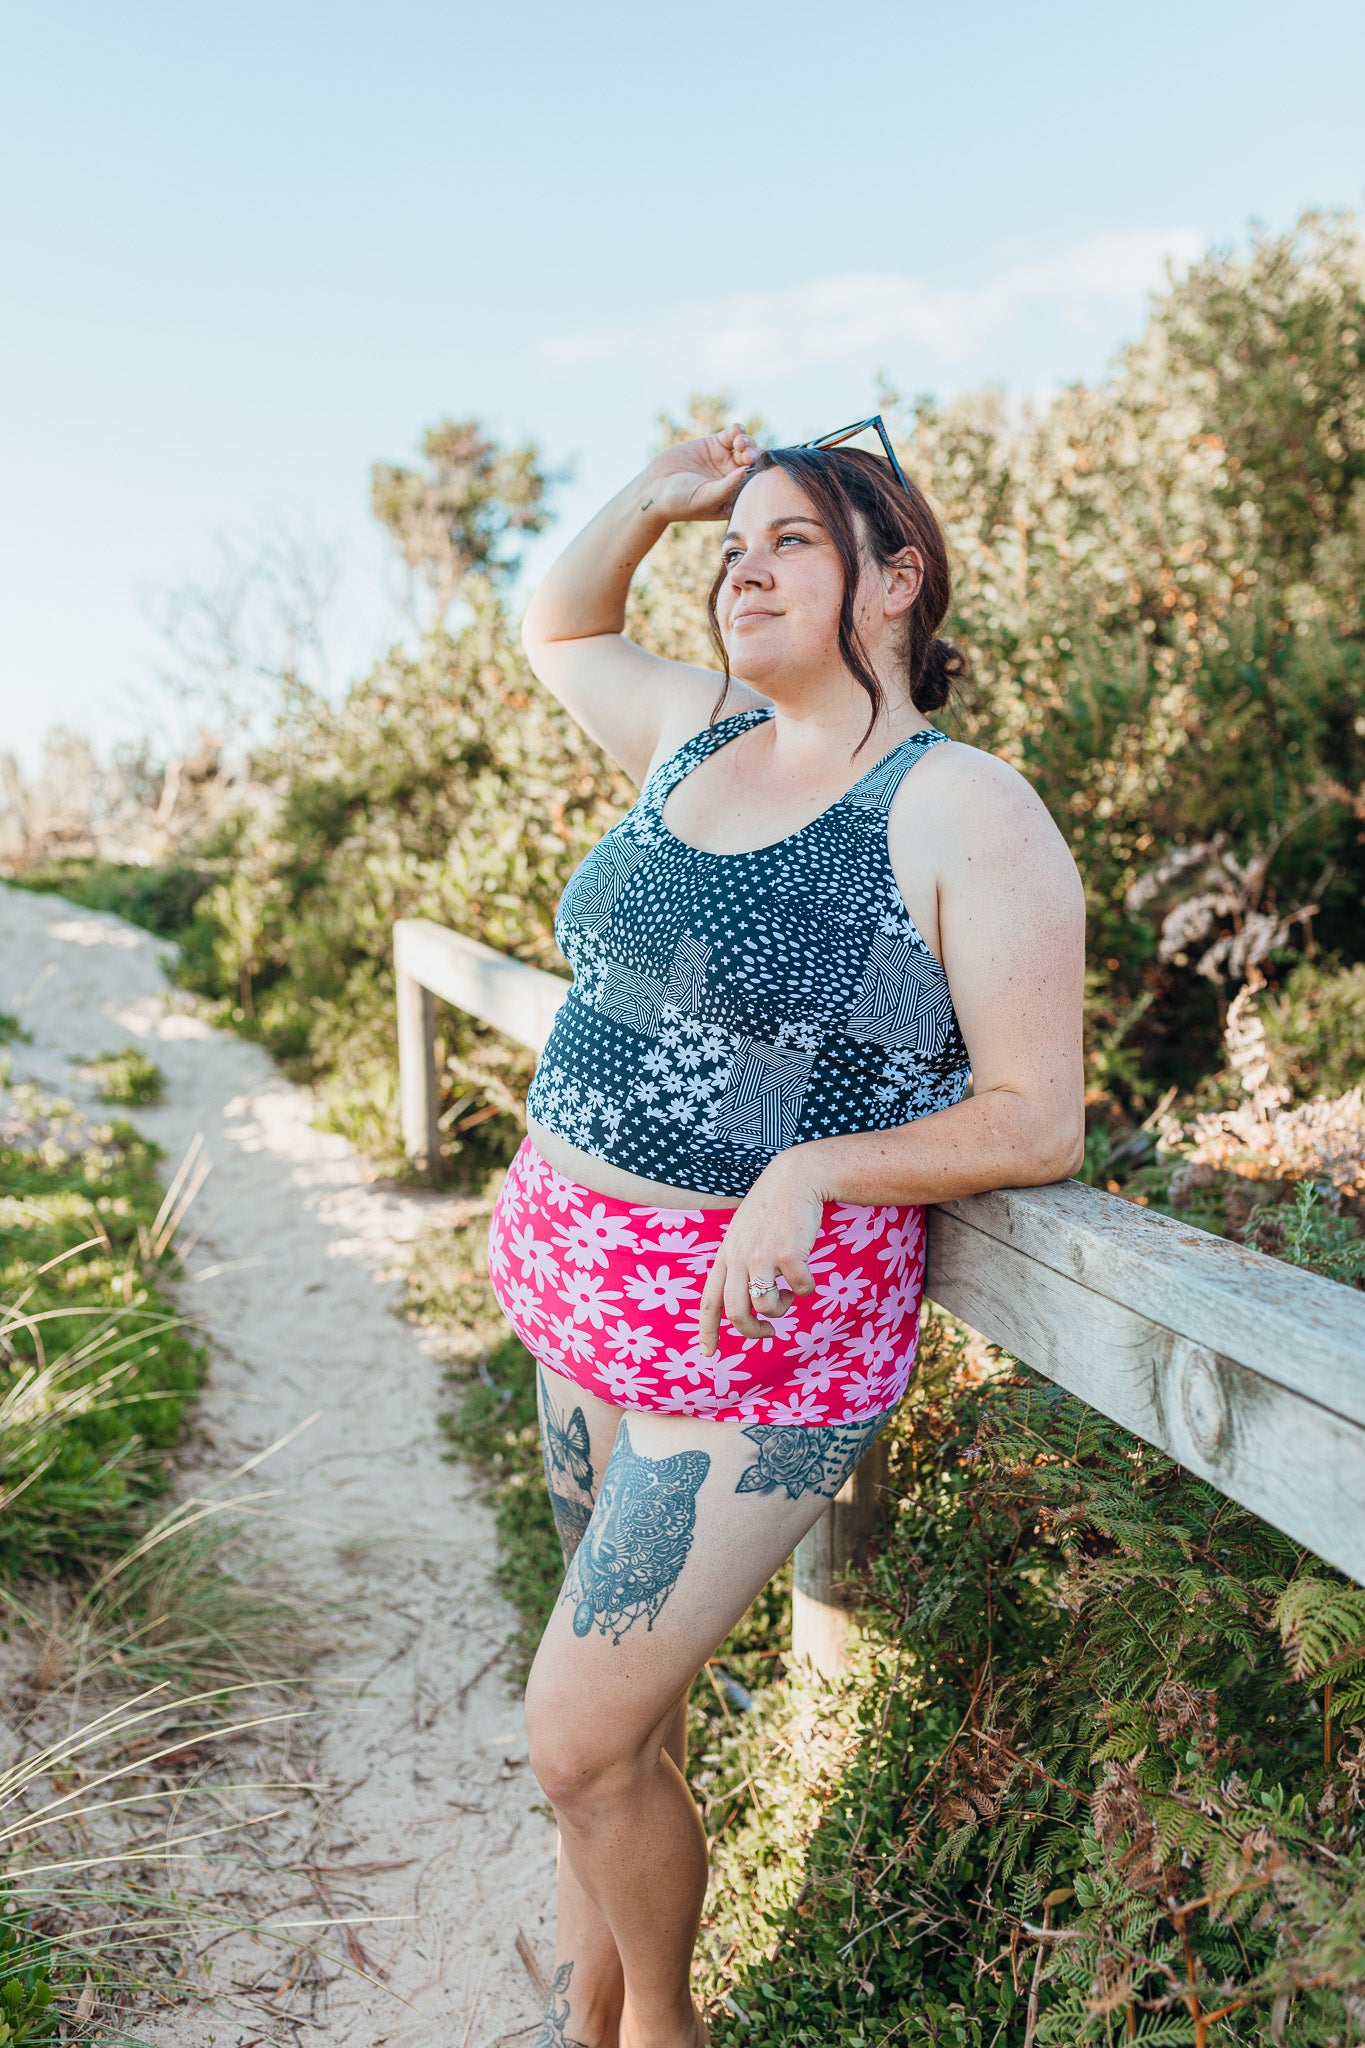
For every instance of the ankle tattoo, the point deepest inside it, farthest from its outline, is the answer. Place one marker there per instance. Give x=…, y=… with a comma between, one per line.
x=552, y=2032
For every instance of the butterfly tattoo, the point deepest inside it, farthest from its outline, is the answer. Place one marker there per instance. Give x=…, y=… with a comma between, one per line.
x=567, y=1450
x=567, y=1445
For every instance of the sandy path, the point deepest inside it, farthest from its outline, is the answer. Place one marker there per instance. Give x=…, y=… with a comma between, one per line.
x=293, y=1282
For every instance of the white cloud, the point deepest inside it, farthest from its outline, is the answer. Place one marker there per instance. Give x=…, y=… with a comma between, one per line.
x=860, y=317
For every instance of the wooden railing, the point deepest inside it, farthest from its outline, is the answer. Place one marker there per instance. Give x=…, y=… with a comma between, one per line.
x=1248, y=1371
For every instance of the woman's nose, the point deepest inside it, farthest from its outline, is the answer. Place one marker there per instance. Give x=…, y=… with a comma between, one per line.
x=750, y=569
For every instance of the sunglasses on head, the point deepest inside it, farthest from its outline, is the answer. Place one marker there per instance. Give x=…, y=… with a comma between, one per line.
x=842, y=434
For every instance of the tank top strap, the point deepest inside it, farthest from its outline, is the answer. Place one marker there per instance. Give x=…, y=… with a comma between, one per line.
x=694, y=751
x=877, y=788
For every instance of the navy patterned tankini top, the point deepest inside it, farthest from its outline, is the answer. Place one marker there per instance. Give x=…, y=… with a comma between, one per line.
x=726, y=1006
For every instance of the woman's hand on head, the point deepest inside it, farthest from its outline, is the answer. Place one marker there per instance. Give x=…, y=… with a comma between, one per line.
x=770, y=1236
x=695, y=479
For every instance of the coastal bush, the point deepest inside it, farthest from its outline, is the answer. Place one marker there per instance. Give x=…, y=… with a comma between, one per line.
x=161, y=898
x=1098, y=1774
x=1315, y=1030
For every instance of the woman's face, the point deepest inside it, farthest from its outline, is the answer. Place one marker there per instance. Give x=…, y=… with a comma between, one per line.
x=778, y=607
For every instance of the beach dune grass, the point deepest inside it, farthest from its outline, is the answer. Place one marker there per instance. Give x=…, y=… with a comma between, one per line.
x=145, y=1632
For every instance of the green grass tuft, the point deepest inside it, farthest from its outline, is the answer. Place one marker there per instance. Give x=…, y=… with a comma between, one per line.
x=128, y=1078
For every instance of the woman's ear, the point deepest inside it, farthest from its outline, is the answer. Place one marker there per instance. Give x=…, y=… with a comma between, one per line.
x=903, y=576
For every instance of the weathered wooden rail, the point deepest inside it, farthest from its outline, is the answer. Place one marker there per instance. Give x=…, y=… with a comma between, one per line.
x=1248, y=1371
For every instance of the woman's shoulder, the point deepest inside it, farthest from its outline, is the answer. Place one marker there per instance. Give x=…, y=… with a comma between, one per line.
x=945, y=775
x=970, y=801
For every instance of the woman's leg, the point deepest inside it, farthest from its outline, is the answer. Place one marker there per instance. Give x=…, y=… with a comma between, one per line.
x=577, y=1432
x=690, y=1520
x=589, y=1986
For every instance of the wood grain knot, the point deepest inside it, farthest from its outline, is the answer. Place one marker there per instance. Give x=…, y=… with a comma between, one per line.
x=1203, y=1402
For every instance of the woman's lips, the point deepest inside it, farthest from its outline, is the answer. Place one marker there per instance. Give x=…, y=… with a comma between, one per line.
x=740, y=617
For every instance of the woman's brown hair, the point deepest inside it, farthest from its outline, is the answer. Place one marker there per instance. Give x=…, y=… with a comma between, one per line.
x=852, y=490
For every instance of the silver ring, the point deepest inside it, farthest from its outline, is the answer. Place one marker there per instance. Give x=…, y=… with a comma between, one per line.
x=760, y=1287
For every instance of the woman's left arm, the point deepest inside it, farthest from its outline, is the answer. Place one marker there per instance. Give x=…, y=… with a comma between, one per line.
x=1012, y=934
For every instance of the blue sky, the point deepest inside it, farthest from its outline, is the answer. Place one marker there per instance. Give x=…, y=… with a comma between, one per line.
x=248, y=251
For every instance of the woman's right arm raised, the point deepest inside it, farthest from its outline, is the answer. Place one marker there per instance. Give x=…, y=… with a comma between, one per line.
x=623, y=697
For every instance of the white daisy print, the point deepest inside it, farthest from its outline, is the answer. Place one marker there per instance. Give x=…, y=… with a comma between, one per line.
x=686, y=1365
x=861, y=1390
x=636, y=1344
x=725, y=1375
x=623, y=1382
x=589, y=1299
x=816, y=1375
x=857, y=1225
x=691, y=1248
x=874, y=1349
x=535, y=1254
x=523, y=1304
x=590, y=1234
x=660, y=1289
x=572, y=1339
x=559, y=1194
x=816, y=1341
x=841, y=1290
x=898, y=1302
x=901, y=1243
x=799, y=1407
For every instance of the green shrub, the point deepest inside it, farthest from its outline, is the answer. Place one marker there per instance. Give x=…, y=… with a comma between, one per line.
x=160, y=899
x=1308, y=1233
x=1091, y=1701
x=1315, y=1028
x=128, y=1078
x=27, y=1967
x=448, y=786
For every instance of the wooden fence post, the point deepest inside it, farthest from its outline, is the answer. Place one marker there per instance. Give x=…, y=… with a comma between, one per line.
x=822, y=1609
x=418, y=1094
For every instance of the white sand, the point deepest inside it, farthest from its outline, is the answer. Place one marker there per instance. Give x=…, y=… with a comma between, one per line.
x=292, y=1281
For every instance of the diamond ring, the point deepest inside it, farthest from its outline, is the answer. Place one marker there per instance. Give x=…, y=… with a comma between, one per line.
x=760, y=1287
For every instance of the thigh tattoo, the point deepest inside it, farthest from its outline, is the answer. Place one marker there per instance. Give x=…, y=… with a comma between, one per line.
x=567, y=1451
x=804, y=1460
x=637, y=1541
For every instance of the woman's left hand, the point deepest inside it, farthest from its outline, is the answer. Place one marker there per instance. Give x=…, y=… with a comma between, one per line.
x=769, y=1238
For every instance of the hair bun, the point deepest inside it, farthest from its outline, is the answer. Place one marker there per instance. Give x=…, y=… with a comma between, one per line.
x=941, y=665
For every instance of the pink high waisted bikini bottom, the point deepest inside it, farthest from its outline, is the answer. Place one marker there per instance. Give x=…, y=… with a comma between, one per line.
x=606, y=1293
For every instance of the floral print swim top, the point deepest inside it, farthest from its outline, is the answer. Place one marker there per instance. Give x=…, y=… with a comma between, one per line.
x=727, y=1005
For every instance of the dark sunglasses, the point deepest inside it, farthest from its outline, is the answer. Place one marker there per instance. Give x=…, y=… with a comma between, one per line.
x=874, y=425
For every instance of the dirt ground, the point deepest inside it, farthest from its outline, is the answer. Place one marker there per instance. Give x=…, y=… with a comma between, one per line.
x=416, y=1862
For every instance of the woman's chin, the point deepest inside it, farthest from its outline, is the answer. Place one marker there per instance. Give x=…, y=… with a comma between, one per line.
x=754, y=656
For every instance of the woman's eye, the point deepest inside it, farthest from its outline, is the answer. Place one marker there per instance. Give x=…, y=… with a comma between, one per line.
x=731, y=556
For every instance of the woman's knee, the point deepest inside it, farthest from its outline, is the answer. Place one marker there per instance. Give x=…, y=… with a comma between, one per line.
x=585, y=1760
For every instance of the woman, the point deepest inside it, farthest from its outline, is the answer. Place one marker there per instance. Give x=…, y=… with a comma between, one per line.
x=819, y=916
